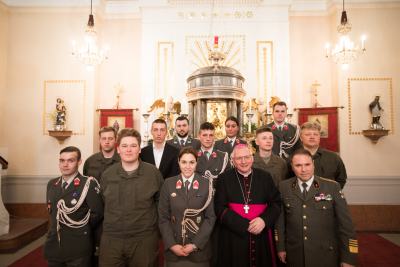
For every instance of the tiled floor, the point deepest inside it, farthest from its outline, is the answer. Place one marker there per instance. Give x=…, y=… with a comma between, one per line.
x=7, y=259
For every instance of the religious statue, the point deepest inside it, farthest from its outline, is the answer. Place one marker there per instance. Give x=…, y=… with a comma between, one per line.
x=61, y=112
x=218, y=124
x=274, y=99
x=375, y=109
x=262, y=106
x=169, y=108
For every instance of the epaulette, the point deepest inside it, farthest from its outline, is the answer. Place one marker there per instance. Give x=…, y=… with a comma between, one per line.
x=329, y=180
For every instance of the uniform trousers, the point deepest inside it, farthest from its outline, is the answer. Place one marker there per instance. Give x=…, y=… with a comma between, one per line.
x=81, y=262
x=214, y=244
x=185, y=263
x=143, y=253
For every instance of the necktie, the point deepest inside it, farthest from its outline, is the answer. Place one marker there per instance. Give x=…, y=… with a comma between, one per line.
x=280, y=128
x=182, y=143
x=304, y=190
x=64, y=185
x=206, y=155
x=231, y=142
x=187, y=186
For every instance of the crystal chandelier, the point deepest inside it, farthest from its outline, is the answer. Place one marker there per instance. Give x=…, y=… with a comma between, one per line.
x=345, y=51
x=88, y=53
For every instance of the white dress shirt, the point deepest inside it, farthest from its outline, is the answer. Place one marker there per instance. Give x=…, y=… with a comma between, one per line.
x=190, y=180
x=210, y=151
x=277, y=125
x=309, y=183
x=68, y=182
x=229, y=140
x=184, y=140
x=158, y=155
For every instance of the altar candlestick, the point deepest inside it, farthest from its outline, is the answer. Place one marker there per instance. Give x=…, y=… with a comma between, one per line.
x=363, y=44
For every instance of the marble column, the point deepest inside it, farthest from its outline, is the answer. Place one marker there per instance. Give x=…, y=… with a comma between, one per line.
x=197, y=118
x=229, y=108
x=203, y=117
x=235, y=109
x=191, y=117
x=240, y=119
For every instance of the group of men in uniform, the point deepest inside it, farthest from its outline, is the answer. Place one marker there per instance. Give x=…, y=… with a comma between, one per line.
x=117, y=198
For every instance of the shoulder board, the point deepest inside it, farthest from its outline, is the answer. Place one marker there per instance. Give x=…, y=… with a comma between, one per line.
x=219, y=151
x=329, y=180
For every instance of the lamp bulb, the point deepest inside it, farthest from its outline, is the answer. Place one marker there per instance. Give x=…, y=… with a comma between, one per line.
x=345, y=66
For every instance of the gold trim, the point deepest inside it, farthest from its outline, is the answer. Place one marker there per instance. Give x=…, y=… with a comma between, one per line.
x=272, y=69
x=201, y=51
x=237, y=51
x=165, y=68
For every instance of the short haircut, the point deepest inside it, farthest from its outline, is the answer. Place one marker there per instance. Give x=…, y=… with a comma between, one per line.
x=71, y=149
x=311, y=125
x=232, y=118
x=280, y=103
x=182, y=118
x=129, y=132
x=107, y=129
x=207, y=126
x=161, y=122
x=187, y=150
x=240, y=147
x=263, y=130
x=301, y=151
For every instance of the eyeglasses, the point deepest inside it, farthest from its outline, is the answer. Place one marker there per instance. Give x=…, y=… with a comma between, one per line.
x=244, y=157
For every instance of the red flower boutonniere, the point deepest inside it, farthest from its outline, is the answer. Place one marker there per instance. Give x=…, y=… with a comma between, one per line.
x=214, y=155
x=226, y=141
x=273, y=127
x=285, y=127
x=237, y=141
x=199, y=154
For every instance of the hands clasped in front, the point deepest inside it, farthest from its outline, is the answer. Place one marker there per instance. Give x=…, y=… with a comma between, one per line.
x=182, y=251
x=256, y=226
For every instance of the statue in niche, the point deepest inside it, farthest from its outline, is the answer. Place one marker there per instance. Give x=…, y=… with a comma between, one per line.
x=375, y=109
x=61, y=112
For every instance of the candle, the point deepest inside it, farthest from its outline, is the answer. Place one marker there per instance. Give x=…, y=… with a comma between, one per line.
x=327, y=50
x=73, y=47
x=363, y=44
x=106, y=51
x=288, y=105
x=183, y=106
x=146, y=107
x=216, y=40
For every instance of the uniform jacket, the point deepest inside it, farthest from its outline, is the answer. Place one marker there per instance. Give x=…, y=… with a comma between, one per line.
x=96, y=164
x=130, y=212
x=327, y=164
x=315, y=233
x=173, y=203
x=214, y=164
x=74, y=242
x=169, y=162
x=224, y=145
x=284, y=135
x=190, y=142
x=276, y=166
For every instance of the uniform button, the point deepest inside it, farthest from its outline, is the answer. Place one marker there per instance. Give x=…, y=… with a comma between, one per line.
x=254, y=259
x=248, y=192
x=287, y=205
x=304, y=206
x=304, y=216
x=305, y=238
x=253, y=250
x=249, y=199
x=305, y=228
x=186, y=236
x=252, y=242
x=324, y=207
x=331, y=248
x=85, y=233
x=247, y=185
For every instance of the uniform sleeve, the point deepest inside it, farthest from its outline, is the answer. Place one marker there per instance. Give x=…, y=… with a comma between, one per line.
x=280, y=229
x=164, y=219
x=96, y=205
x=271, y=213
x=341, y=175
x=103, y=187
x=47, y=194
x=86, y=168
x=204, y=233
x=348, y=244
x=160, y=181
x=227, y=217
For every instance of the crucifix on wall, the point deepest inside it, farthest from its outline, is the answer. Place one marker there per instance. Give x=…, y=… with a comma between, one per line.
x=315, y=85
x=118, y=88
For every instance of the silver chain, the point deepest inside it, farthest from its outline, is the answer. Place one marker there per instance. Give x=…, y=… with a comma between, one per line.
x=211, y=25
x=251, y=182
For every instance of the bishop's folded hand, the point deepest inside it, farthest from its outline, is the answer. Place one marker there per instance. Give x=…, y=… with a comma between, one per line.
x=256, y=226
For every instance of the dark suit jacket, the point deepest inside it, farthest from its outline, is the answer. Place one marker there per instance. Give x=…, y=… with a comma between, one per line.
x=190, y=142
x=225, y=146
x=173, y=203
x=286, y=136
x=74, y=242
x=169, y=166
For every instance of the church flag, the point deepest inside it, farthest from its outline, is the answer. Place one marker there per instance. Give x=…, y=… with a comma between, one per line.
x=116, y=118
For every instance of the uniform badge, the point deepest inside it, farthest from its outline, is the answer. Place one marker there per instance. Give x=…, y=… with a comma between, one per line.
x=173, y=220
x=273, y=127
x=195, y=185
x=58, y=181
x=294, y=185
x=73, y=202
x=341, y=194
x=199, y=154
x=316, y=184
x=237, y=141
x=214, y=155
x=198, y=219
x=173, y=195
x=285, y=127
x=77, y=181
x=97, y=190
x=323, y=196
x=226, y=141
x=198, y=195
x=328, y=197
x=317, y=197
x=188, y=141
x=48, y=208
x=179, y=185
x=288, y=212
x=175, y=141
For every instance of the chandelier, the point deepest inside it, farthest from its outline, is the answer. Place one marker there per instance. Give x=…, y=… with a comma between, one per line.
x=88, y=53
x=345, y=51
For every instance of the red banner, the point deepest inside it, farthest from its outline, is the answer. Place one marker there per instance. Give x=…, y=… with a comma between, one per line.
x=328, y=118
x=117, y=118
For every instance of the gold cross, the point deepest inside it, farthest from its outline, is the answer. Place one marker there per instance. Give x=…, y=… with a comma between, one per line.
x=316, y=84
x=118, y=87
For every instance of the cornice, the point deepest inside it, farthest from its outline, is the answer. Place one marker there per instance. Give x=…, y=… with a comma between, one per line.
x=217, y=2
x=3, y=6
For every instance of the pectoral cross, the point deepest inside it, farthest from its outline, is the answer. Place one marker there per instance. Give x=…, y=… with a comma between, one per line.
x=246, y=209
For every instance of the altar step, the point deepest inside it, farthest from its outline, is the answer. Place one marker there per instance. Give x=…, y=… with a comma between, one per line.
x=22, y=231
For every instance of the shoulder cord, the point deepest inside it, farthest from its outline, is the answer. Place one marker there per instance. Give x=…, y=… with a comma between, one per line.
x=291, y=143
x=63, y=210
x=189, y=223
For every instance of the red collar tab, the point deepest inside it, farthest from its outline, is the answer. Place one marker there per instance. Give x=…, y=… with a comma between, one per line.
x=294, y=185
x=225, y=141
x=77, y=181
x=285, y=127
x=199, y=154
x=179, y=185
x=214, y=155
x=58, y=181
x=316, y=184
x=237, y=141
x=273, y=127
x=195, y=185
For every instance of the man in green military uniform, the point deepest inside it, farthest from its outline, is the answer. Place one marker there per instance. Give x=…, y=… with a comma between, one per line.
x=327, y=163
x=182, y=139
x=315, y=227
x=266, y=160
x=130, y=192
x=228, y=144
x=95, y=165
x=75, y=207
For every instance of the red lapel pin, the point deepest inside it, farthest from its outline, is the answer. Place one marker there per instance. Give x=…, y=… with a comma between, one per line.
x=199, y=154
x=285, y=127
x=226, y=141
x=273, y=127
x=237, y=141
x=214, y=155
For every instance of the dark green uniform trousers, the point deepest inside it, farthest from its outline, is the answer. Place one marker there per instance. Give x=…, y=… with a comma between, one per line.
x=143, y=253
x=81, y=262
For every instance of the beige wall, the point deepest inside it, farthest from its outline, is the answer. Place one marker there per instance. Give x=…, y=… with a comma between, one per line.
x=3, y=68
